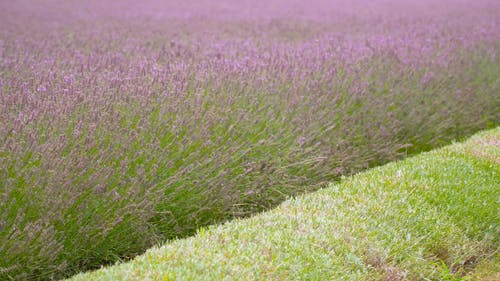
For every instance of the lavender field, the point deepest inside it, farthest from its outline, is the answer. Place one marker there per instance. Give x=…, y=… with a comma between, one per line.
x=127, y=123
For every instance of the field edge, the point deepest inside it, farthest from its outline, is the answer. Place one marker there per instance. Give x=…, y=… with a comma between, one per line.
x=289, y=241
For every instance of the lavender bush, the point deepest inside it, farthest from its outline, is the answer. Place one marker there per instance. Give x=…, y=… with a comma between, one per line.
x=126, y=123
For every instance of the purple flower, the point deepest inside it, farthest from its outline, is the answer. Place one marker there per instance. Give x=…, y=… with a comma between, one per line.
x=41, y=89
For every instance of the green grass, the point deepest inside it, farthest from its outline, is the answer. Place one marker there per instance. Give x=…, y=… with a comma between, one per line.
x=431, y=217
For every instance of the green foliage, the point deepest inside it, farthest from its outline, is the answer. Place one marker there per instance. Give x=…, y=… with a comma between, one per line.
x=430, y=217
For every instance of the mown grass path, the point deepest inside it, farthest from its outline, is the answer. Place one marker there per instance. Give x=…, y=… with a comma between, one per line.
x=431, y=217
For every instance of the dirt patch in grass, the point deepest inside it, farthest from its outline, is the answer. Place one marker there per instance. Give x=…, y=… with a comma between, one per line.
x=486, y=270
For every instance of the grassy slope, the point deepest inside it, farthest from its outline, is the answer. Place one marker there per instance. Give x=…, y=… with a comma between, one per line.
x=433, y=216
